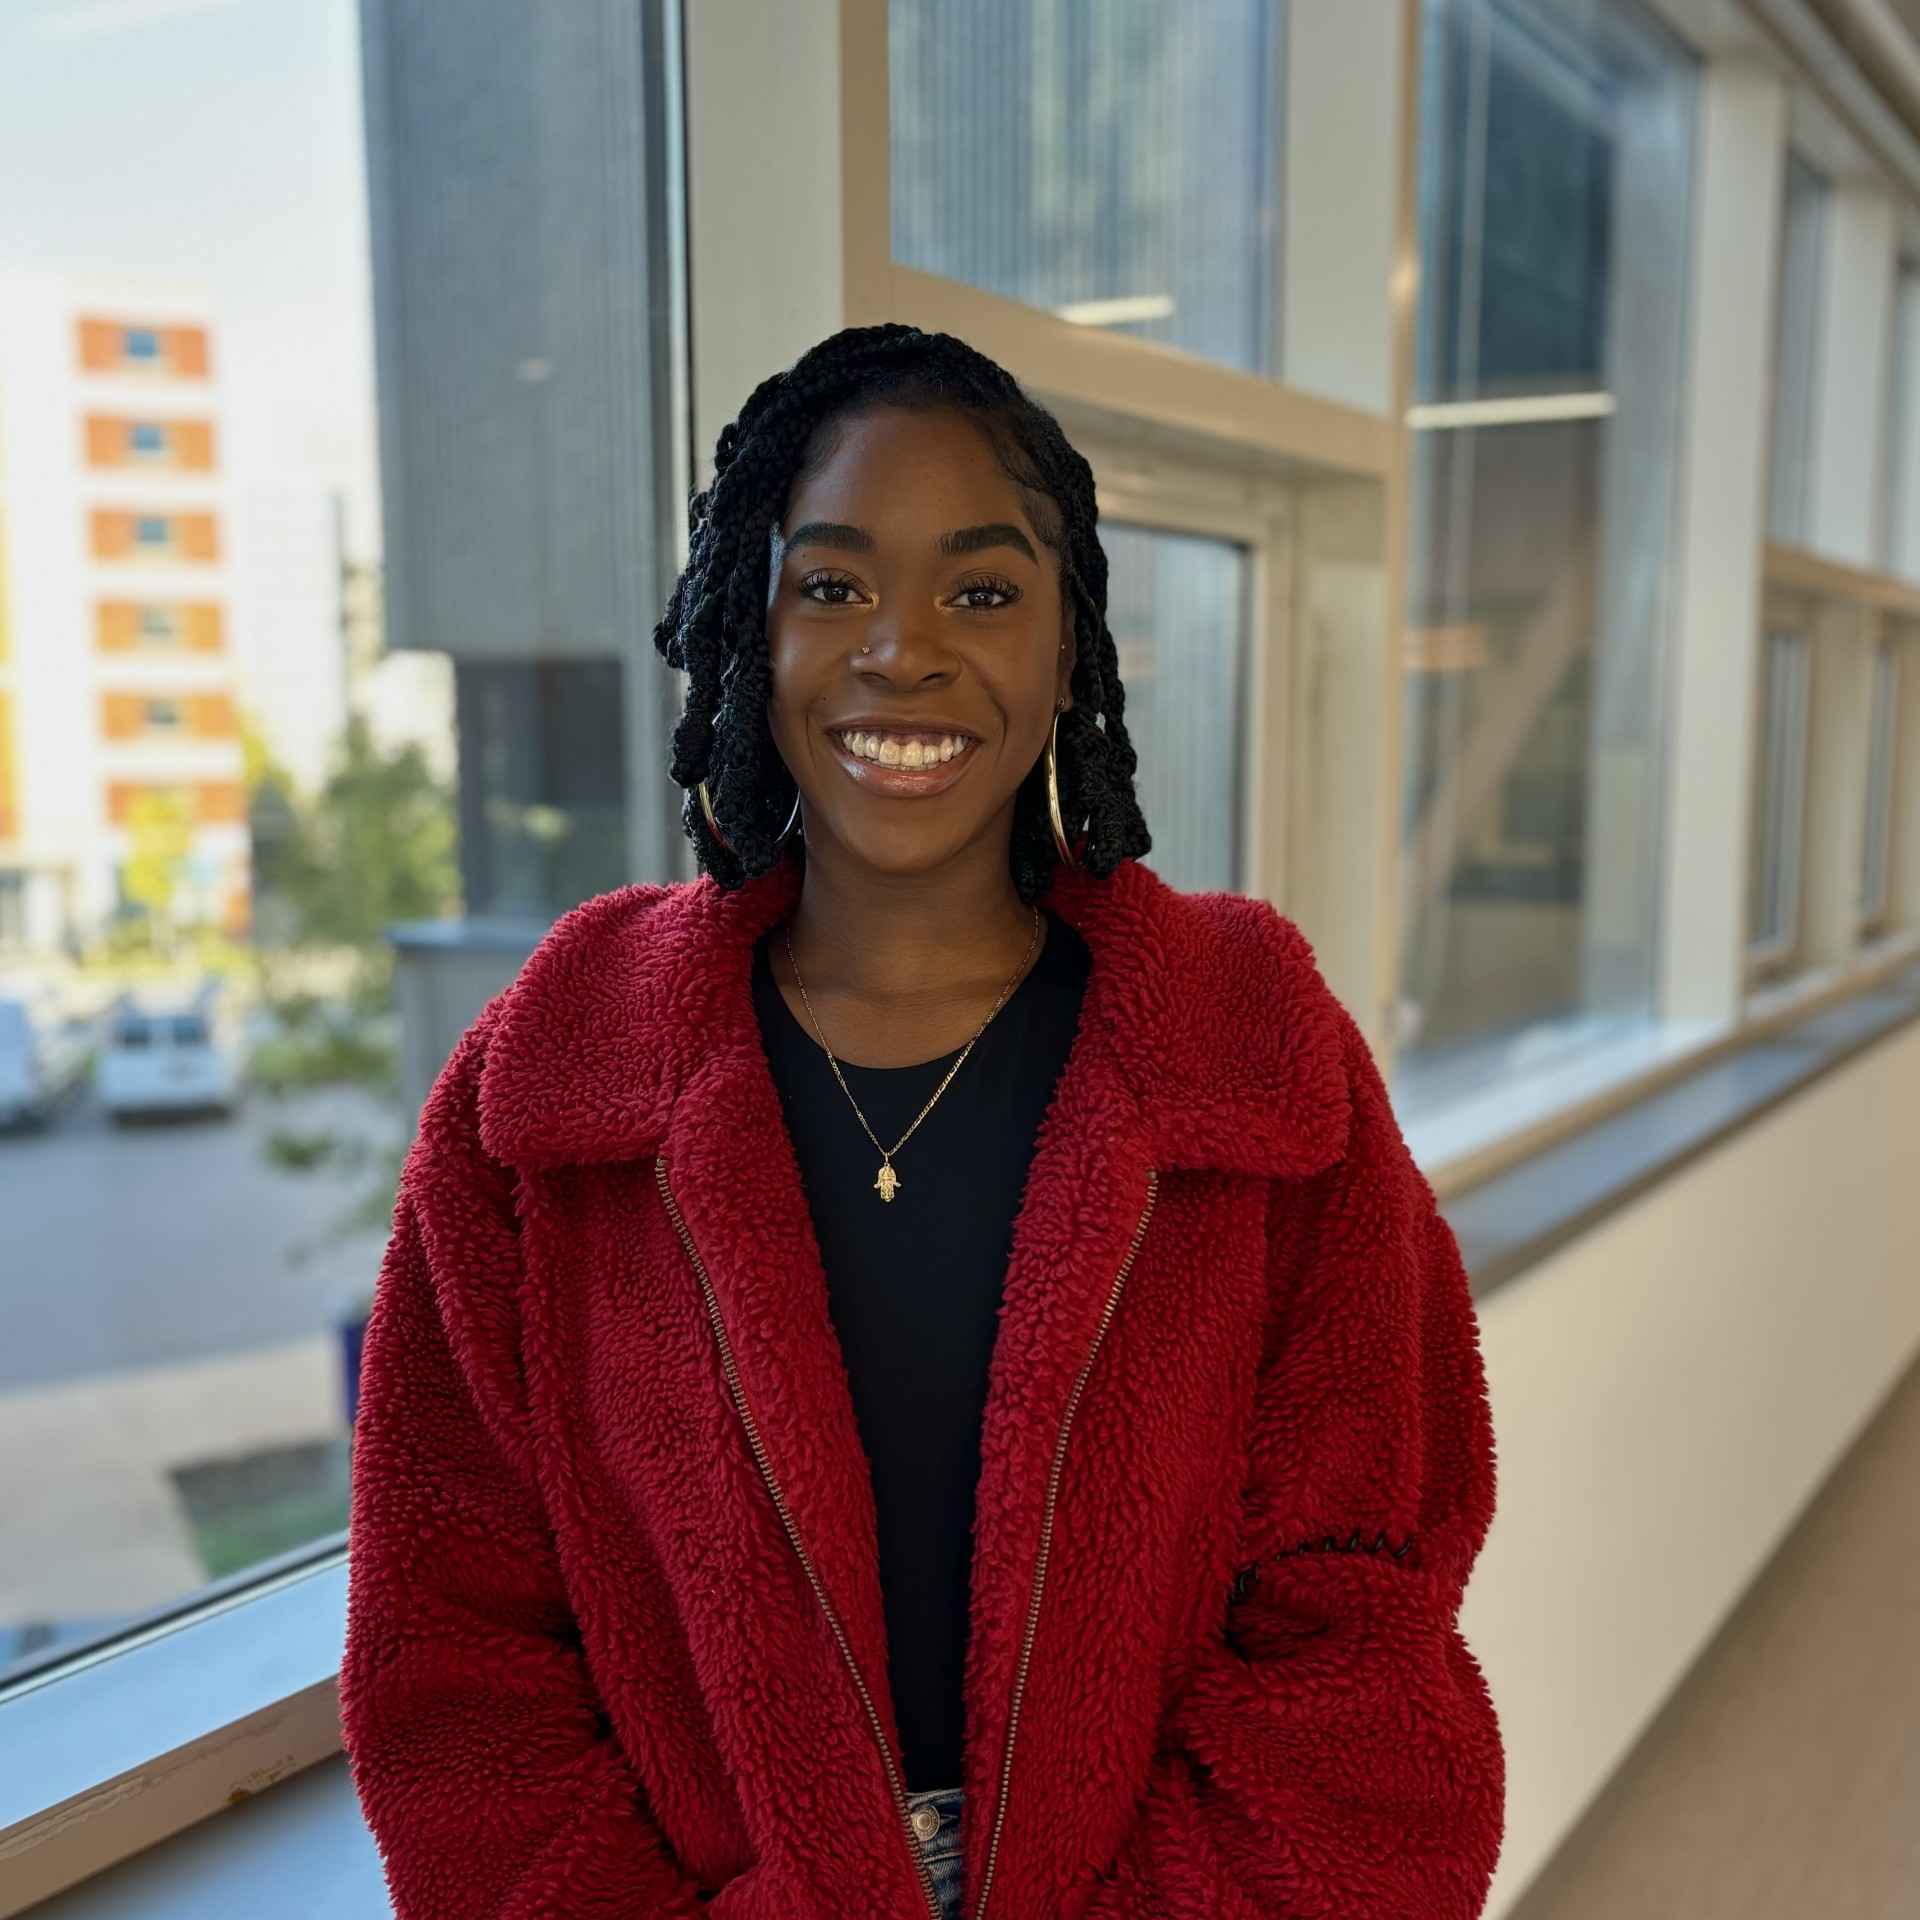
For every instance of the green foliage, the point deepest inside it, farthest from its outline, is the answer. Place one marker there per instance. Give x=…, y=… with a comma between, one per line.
x=314, y=1042
x=331, y=874
x=374, y=846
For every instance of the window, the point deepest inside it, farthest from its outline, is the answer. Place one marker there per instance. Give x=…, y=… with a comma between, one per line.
x=1796, y=354
x=185, y=1376
x=1780, y=798
x=1900, y=535
x=1177, y=605
x=1117, y=164
x=1554, y=193
x=1876, y=874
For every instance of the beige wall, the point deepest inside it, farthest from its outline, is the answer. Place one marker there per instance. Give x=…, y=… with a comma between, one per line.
x=1668, y=1392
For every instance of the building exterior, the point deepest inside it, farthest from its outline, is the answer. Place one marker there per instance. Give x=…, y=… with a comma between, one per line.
x=517, y=163
x=121, y=769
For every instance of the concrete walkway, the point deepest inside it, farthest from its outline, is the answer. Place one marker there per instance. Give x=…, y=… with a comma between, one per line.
x=90, y=1526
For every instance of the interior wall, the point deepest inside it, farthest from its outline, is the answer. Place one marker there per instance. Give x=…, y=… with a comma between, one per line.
x=1668, y=1392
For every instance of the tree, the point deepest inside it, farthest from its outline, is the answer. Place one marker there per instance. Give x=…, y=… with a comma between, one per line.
x=375, y=845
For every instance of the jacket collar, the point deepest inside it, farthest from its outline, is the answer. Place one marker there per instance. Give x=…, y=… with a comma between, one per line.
x=1204, y=1022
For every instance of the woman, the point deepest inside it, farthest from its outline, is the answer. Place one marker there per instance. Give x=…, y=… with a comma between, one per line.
x=920, y=1358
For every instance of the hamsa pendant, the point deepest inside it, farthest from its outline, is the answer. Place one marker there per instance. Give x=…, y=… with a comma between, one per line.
x=888, y=1181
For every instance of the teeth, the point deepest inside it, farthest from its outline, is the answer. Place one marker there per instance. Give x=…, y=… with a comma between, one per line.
x=888, y=750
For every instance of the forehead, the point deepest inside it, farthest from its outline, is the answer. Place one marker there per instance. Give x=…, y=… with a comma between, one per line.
x=907, y=469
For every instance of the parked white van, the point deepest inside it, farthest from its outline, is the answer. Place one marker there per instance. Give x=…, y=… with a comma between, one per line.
x=43, y=1055
x=167, y=1057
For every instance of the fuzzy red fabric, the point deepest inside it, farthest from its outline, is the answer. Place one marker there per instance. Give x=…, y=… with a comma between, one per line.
x=588, y=1673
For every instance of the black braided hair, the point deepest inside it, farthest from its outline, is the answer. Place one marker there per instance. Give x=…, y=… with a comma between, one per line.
x=715, y=623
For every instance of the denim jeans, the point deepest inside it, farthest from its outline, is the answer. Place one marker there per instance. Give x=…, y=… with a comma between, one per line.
x=940, y=1846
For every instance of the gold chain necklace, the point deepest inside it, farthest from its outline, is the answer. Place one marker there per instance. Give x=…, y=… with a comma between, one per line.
x=887, y=1182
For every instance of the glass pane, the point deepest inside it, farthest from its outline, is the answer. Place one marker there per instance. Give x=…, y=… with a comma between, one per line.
x=1557, y=150
x=1177, y=605
x=1900, y=542
x=1796, y=351
x=226, y=793
x=1773, y=892
x=1876, y=875
x=1115, y=161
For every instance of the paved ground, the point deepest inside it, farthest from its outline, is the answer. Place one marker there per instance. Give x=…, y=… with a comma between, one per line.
x=167, y=1299
x=91, y=1524
x=122, y=1246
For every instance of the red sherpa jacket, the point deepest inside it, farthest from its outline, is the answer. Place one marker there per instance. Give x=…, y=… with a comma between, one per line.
x=616, y=1646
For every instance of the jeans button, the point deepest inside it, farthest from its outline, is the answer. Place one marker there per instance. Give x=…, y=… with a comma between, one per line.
x=926, y=1822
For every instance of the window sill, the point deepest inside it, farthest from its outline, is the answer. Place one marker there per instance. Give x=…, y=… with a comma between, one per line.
x=115, y=1748
x=1518, y=1216
x=1454, y=1142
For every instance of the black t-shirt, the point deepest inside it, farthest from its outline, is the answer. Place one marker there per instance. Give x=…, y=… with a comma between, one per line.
x=914, y=1286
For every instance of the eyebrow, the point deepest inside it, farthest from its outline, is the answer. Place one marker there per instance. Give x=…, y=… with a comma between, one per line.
x=830, y=533
x=999, y=533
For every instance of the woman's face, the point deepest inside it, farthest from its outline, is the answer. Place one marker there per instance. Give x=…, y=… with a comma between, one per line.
x=917, y=640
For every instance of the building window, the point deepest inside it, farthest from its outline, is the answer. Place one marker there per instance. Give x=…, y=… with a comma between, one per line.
x=1177, y=606
x=147, y=440
x=542, y=784
x=141, y=347
x=159, y=626
x=152, y=533
x=1796, y=354
x=1780, y=798
x=1876, y=874
x=164, y=716
x=1557, y=152
x=1118, y=165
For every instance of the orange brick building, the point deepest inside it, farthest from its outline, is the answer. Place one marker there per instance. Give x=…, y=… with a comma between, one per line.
x=119, y=715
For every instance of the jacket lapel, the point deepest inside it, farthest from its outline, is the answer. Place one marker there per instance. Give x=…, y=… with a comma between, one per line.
x=734, y=1177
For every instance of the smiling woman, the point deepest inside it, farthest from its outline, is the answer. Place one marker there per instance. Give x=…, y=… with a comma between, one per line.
x=917, y=1491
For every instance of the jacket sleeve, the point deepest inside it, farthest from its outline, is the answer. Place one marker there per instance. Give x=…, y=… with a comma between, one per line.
x=1333, y=1752
x=484, y=1766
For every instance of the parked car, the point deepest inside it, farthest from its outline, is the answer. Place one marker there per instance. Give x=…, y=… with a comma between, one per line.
x=43, y=1055
x=172, y=1057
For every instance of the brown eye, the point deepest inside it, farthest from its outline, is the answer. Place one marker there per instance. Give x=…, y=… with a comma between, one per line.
x=983, y=595
x=830, y=589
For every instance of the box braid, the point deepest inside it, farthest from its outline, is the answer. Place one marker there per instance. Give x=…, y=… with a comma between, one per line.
x=714, y=627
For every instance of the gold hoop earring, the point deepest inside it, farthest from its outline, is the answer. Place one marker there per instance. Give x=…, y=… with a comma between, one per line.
x=713, y=825
x=1068, y=858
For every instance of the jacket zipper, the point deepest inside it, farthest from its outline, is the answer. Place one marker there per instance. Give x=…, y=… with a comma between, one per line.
x=1046, y=1534
x=765, y=1464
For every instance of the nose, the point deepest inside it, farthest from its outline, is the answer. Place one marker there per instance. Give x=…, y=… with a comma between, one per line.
x=904, y=651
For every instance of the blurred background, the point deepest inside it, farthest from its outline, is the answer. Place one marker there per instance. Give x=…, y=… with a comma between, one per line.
x=1507, y=422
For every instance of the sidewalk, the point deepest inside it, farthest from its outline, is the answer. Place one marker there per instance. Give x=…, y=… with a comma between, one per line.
x=91, y=1524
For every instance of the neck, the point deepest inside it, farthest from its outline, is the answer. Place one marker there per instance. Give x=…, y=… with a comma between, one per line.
x=900, y=967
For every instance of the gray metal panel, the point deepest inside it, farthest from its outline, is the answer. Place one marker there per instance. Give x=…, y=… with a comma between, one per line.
x=519, y=249
x=444, y=974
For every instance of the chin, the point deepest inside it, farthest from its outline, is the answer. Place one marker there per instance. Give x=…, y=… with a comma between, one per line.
x=906, y=850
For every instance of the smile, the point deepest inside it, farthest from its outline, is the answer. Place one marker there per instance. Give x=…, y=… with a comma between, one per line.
x=911, y=750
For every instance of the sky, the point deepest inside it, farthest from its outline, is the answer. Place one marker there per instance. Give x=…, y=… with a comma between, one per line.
x=217, y=143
